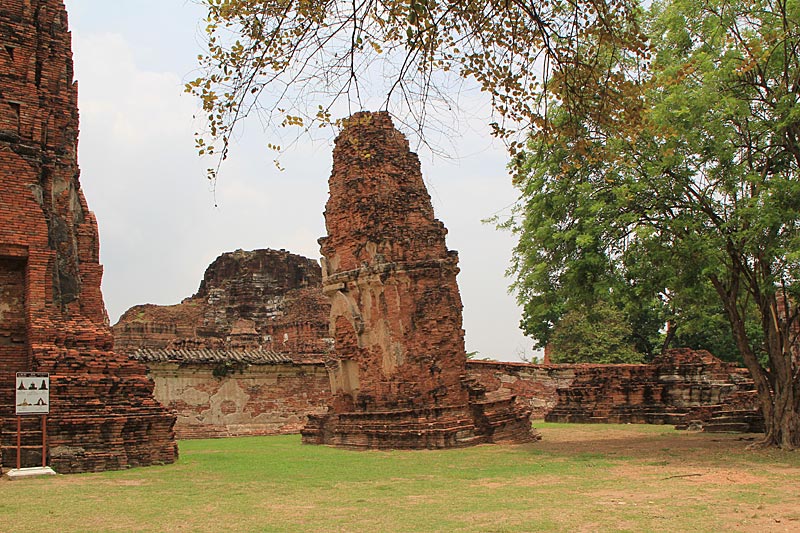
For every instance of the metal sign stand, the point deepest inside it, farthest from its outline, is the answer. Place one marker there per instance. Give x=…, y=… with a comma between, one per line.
x=44, y=441
x=32, y=397
x=19, y=442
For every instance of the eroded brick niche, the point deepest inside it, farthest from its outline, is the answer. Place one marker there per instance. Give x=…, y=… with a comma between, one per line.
x=13, y=330
x=12, y=303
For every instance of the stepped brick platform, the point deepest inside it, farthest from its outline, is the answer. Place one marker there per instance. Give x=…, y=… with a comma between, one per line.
x=737, y=413
x=260, y=299
x=399, y=374
x=52, y=317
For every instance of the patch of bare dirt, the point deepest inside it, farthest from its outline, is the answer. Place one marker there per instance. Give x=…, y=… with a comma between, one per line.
x=659, y=471
x=771, y=518
x=610, y=440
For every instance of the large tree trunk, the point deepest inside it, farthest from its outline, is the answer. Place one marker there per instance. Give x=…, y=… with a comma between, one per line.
x=784, y=427
x=783, y=423
x=778, y=386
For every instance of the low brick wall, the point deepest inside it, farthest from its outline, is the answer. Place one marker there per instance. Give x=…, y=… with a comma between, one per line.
x=535, y=385
x=269, y=399
x=657, y=393
x=256, y=400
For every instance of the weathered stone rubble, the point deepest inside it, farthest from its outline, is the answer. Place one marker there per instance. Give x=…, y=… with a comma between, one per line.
x=52, y=317
x=399, y=378
x=261, y=299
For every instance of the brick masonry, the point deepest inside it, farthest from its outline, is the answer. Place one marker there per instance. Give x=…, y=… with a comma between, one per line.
x=52, y=316
x=243, y=355
x=252, y=397
x=249, y=399
x=680, y=387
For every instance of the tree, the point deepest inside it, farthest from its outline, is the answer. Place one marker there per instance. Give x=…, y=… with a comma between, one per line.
x=595, y=334
x=704, y=179
x=560, y=266
x=292, y=62
x=565, y=261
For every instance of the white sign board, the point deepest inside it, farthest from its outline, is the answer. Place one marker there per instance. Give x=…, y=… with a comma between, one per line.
x=33, y=393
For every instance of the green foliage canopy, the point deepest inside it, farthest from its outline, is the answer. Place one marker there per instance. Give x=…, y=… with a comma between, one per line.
x=593, y=334
x=699, y=186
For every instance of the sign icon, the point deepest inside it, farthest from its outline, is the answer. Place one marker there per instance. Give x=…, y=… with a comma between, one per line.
x=33, y=393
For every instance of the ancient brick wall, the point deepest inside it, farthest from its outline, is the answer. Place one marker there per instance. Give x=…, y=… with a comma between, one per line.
x=266, y=399
x=536, y=385
x=270, y=299
x=666, y=391
x=103, y=414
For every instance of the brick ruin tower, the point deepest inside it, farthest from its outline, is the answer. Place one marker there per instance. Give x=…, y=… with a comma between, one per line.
x=399, y=375
x=52, y=316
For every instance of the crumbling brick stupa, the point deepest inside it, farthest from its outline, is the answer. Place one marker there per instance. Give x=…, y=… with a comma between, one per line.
x=399, y=374
x=52, y=316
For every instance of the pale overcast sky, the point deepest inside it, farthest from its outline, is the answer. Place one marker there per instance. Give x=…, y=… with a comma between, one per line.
x=159, y=227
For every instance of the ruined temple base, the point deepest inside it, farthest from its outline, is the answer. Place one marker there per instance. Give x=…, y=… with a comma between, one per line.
x=481, y=422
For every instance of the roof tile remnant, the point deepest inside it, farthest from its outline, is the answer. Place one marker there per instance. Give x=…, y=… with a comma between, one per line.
x=250, y=357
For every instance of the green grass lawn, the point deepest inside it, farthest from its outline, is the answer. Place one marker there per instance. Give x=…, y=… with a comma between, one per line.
x=578, y=478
